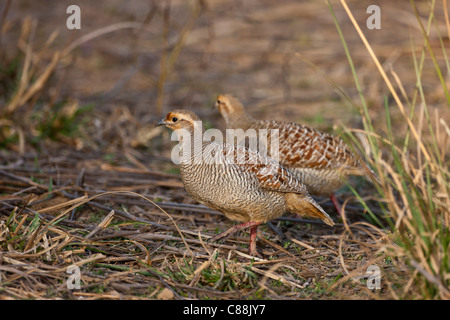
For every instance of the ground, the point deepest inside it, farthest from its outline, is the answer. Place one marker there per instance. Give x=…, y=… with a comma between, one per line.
x=90, y=147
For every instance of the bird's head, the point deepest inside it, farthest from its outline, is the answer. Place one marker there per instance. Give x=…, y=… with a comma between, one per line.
x=180, y=119
x=229, y=106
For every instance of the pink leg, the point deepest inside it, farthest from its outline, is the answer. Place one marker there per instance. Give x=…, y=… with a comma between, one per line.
x=234, y=229
x=336, y=203
x=251, y=224
x=252, y=248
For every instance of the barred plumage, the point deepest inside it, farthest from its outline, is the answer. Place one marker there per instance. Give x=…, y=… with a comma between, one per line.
x=242, y=184
x=318, y=159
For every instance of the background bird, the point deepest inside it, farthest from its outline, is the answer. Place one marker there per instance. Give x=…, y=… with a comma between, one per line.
x=242, y=184
x=319, y=160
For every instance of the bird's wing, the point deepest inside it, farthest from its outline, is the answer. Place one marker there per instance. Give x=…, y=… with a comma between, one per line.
x=271, y=175
x=302, y=146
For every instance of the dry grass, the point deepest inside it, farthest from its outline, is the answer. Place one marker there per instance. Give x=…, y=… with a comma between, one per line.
x=86, y=181
x=142, y=247
x=413, y=182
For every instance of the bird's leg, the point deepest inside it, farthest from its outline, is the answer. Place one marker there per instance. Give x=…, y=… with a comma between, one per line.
x=234, y=229
x=252, y=247
x=336, y=203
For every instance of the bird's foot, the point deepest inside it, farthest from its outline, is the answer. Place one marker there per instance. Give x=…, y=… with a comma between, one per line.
x=255, y=253
x=220, y=236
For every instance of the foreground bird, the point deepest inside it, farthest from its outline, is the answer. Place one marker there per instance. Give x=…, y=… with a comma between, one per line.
x=242, y=184
x=319, y=160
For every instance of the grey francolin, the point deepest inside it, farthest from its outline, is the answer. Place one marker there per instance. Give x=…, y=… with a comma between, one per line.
x=242, y=184
x=319, y=160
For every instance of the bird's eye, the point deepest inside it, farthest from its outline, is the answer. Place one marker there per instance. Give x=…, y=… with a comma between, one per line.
x=219, y=102
x=174, y=119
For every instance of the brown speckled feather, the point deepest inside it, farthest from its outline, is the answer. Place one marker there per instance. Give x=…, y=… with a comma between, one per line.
x=270, y=174
x=317, y=159
x=301, y=146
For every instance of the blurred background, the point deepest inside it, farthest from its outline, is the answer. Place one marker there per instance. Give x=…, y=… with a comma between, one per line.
x=132, y=62
x=77, y=115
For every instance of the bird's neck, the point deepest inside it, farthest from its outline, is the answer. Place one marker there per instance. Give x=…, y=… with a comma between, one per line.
x=191, y=145
x=241, y=120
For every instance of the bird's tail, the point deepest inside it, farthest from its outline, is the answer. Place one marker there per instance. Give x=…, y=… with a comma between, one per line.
x=305, y=206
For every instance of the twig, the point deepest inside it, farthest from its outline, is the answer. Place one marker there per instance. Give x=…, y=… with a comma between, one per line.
x=26, y=180
x=99, y=32
x=121, y=213
x=102, y=225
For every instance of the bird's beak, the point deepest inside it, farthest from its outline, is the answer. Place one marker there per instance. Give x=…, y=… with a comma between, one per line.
x=161, y=122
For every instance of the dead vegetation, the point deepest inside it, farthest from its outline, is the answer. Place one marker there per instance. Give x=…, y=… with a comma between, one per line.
x=128, y=246
x=86, y=181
